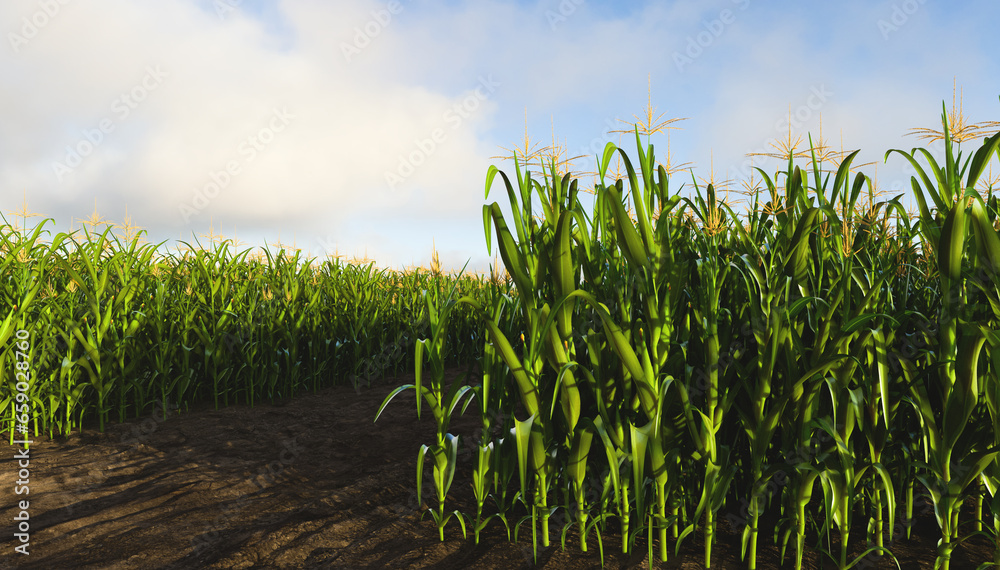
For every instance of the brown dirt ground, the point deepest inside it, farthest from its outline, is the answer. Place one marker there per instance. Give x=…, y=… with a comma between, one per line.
x=305, y=483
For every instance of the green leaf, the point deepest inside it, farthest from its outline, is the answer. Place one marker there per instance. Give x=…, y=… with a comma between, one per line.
x=964, y=394
x=522, y=434
x=632, y=246
x=987, y=240
x=951, y=246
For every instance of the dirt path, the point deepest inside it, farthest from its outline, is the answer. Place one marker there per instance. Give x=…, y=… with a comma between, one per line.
x=307, y=483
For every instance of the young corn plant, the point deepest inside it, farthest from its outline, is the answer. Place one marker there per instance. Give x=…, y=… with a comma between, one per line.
x=491, y=396
x=442, y=400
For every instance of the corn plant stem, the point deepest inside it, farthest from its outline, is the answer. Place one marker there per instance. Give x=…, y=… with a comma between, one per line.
x=541, y=500
x=662, y=524
x=623, y=513
x=581, y=520
x=910, y=485
x=979, y=507
x=800, y=533
x=877, y=509
x=709, y=535
x=845, y=533
x=754, y=521
x=714, y=416
x=675, y=514
x=996, y=538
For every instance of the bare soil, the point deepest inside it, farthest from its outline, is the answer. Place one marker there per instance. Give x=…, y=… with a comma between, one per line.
x=306, y=483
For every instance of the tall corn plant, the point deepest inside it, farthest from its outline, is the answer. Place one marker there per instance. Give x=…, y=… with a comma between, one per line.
x=798, y=278
x=25, y=263
x=542, y=266
x=946, y=395
x=654, y=255
x=636, y=424
x=109, y=320
x=710, y=384
x=771, y=265
x=987, y=243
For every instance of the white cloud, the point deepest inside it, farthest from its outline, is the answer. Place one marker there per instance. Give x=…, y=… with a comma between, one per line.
x=357, y=118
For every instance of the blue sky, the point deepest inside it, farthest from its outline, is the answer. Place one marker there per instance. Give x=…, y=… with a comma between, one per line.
x=367, y=127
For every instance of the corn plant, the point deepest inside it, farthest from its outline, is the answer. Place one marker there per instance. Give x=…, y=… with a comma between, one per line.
x=706, y=422
x=442, y=400
x=617, y=384
x=122, y=326
x=955, y=457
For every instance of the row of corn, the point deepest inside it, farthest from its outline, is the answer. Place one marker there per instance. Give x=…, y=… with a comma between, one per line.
x=822, y=358
x=119, y=328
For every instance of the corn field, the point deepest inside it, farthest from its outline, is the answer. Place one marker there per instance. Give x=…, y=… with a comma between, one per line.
x=116, y=328
x=643, y=366
x=823, y=357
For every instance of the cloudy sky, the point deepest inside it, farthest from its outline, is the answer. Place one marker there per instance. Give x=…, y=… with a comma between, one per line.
x=367, y=127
